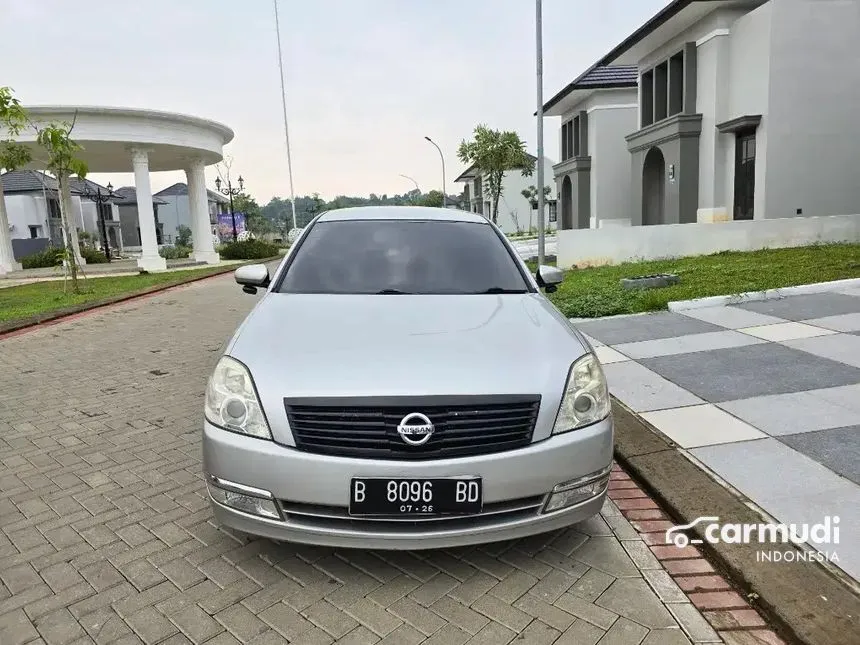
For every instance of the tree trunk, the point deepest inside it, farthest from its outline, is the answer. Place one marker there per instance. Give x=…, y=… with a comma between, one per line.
x=7, y=254
x=496, y=197
x=73, y=249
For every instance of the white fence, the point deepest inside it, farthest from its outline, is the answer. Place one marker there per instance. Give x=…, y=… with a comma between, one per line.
x=616, y=244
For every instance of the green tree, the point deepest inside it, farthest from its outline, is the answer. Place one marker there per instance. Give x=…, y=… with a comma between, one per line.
x=63, y=162
x=13, y=119
x=433, y=199
x=255, y=221
x=493, y=153
x=531, y=194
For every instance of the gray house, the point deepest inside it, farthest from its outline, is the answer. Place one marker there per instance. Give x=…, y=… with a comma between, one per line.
x=597, y=109
x=745, y=110
x=176, y=211
x=126, y=204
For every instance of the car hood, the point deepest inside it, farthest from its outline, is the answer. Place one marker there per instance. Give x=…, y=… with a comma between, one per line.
x=304, y=345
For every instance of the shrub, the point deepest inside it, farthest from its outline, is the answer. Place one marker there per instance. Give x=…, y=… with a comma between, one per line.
x=183, y=236
x=93, y=256
x=49, y=257
x=177, y=252
x=248, y=250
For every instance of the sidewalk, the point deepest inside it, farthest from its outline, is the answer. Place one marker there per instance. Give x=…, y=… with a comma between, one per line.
x=766, y=395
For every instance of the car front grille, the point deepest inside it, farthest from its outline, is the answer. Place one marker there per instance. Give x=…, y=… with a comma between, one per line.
x=367, y=427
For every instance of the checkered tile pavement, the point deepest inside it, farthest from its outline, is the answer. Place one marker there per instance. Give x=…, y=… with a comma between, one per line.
x=106, y=535
x=765, y=394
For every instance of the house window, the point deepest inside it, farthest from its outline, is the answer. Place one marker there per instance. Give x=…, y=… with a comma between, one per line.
x=54, y=208
x=35, y=231
x=662, y=88
x=676, y=84
x=564, y=153
x=553, y=212
x=647, y=100
x=661, y=91
x=744, y=175
x=573, y=137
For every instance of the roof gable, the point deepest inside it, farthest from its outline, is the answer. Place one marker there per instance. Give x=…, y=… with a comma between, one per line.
x=597, y=77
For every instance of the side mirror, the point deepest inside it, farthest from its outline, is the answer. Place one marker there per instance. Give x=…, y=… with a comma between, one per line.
x=548, y=278
x=252, y=276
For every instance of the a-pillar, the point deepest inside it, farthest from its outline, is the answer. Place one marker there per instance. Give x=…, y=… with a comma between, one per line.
x=198, y=203
x=149, y=260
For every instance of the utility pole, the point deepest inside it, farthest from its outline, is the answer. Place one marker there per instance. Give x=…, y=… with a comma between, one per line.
x=541, y=199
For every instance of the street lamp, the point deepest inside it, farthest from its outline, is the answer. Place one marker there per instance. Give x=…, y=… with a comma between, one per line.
x=100, y=199
x=442, y=157
x=230, y=191
x=540, y=162
x=417, y=187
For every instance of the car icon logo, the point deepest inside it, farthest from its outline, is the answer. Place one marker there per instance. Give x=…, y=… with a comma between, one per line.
x=681, y=540
x=415, y=429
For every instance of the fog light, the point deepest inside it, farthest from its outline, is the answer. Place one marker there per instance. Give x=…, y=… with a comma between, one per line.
x=243, y=498
x=577, y=491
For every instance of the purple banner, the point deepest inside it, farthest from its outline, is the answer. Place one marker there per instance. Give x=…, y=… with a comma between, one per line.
x=225, y=225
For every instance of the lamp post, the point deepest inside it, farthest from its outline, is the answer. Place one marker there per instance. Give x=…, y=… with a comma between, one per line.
x=230, y=192
x=100, y=199
x=539, y=77
x=442, y=157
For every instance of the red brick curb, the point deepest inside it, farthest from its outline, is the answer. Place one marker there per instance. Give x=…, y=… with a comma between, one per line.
x=731, y=615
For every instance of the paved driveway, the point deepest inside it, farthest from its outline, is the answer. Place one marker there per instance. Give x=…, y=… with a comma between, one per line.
x=107, y=536
x=765, y=394
x=529, y=248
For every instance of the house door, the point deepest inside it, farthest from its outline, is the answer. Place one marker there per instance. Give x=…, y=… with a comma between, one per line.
x=566, y=203
x=744, y=175
x=653, y=188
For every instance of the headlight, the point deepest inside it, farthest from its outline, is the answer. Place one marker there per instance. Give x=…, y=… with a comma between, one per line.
x=586, y=397
x=232, y=402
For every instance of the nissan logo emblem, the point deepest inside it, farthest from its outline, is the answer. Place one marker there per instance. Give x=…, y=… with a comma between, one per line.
x=415, y=429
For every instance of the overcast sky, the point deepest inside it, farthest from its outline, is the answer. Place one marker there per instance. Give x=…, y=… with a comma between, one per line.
x=366, y=79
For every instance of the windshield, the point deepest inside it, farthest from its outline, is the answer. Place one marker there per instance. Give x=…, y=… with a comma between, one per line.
x=402, y=257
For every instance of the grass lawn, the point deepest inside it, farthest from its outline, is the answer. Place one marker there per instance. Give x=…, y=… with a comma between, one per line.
x=43, y=297
x=593, y=292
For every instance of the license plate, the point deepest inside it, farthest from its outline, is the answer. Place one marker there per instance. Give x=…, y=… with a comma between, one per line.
x=404, y=497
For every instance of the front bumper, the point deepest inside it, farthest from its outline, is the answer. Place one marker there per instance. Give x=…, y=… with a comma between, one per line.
x=311, y=491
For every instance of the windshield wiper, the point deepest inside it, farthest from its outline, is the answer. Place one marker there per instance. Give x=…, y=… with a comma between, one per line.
x=395, y=292
x=501, y=290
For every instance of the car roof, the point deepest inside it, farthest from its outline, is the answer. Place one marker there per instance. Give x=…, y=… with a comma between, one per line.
x=422, y=213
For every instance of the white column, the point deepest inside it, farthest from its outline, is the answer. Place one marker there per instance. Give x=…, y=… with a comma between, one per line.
x=7, y=257
x=149, y=259
x=198, y=202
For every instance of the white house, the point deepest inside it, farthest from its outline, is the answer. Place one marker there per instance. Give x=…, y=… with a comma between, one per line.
x=597, y=110
x=515, y=212
x=746, y=117
x=176, y=212
x=747, y=110
x=32, y=204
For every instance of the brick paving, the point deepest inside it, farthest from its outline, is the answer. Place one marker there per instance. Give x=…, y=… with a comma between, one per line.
x=107, y=536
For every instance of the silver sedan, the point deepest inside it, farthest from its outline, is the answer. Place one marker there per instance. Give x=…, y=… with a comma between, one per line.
x=403, y=383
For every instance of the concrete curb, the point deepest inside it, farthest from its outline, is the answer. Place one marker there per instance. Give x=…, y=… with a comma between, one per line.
x=807, y=603
x=757, y=296
x=15, y=327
